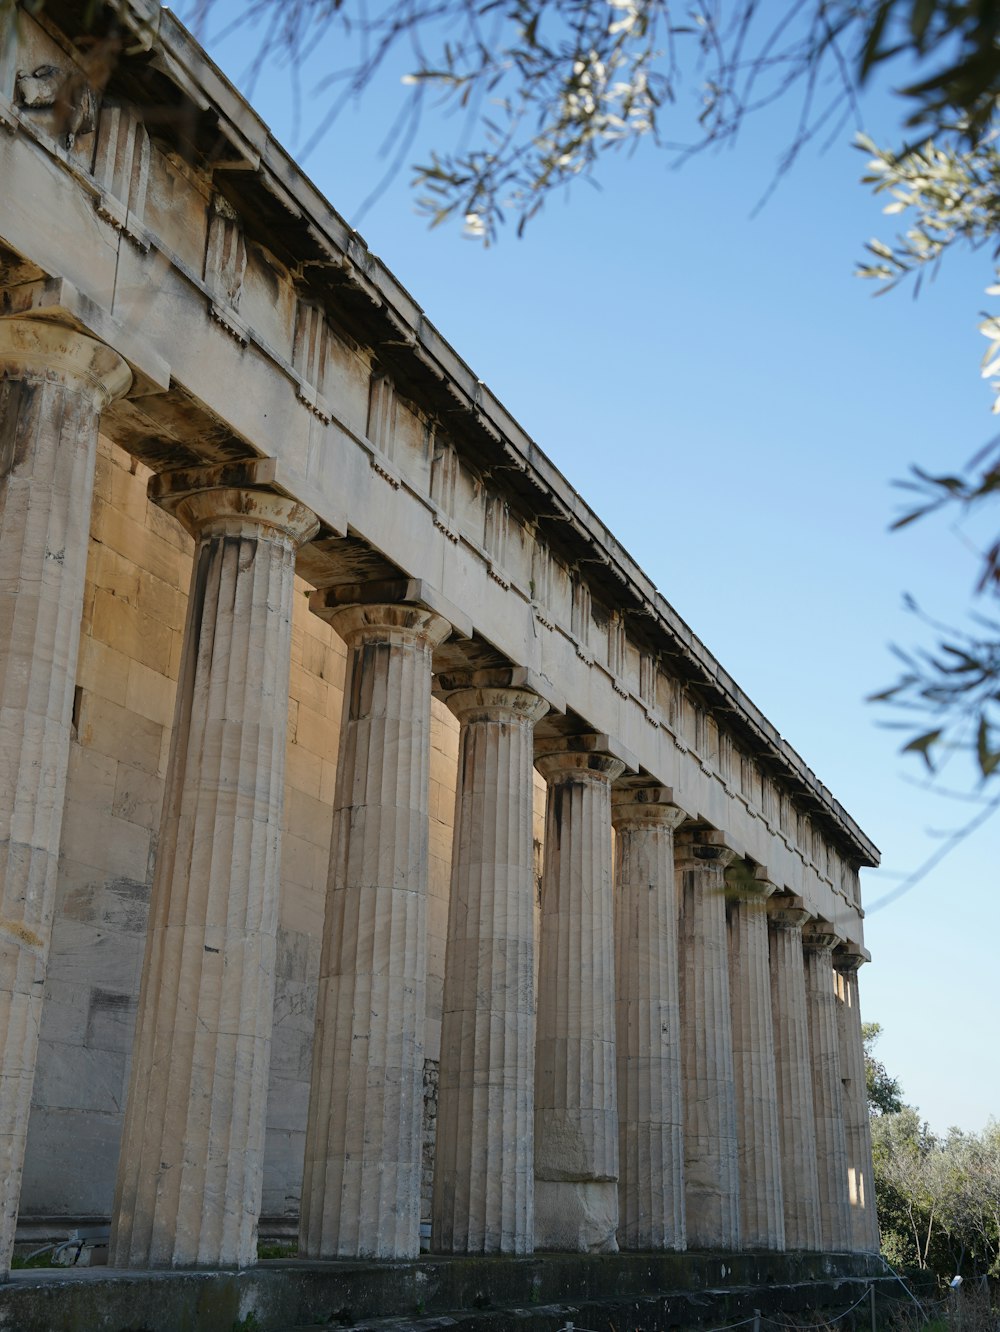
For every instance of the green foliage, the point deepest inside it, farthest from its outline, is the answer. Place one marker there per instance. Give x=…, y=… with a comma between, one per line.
x=885, y=1096
x=951, y=692
x=938, y=1198
x=541, y=90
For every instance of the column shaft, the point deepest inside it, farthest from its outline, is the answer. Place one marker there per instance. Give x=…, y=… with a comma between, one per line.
x=650, y=1093
x=794, y=1075
x=857, y=1121
x=190, y=1170
x=361, y=1188
x=484, y=1180
x=824, y=1042
x=54, y=383
x=576, y=1120
x=712, y=1185
x=762, y=1215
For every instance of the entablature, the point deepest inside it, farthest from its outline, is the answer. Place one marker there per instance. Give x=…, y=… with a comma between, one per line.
x=192, y=205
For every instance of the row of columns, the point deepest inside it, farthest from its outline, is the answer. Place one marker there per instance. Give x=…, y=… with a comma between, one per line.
x=683, y=1083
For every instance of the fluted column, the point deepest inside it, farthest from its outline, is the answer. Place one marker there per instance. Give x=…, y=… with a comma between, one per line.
x=793, y=1070
x=54, y=384
x=824, y=1043
x=650, y=1094
x=576, y=1120
x=361, y=1188
x=484, y=1181
x=762, y=1215
x=857, y=1123
x=712, y=1185
x=191, y=1164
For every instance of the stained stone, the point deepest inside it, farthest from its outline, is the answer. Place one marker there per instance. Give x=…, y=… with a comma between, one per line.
x=484, y=1168
x=824, y=1044
x=762, y=1219
x=793, y=1070
x=361, y=1189
x=650, y=1093
x=190, y=1170
x=712, y=1180
x=54, y=384
x=576, y=1119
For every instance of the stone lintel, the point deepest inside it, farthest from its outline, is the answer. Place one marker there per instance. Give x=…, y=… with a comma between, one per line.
x=638, y=800
x=787, y=911
x=390, y=592
x=819, y=936
x=447, y=683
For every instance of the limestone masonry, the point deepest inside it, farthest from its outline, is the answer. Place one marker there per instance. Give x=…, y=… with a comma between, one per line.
x=378, y=848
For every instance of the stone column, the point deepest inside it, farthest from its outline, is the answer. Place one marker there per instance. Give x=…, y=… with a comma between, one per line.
x=762, y=1213
x=793, y=1070
x=576, y=1118
x=191, y=1164
x=54, y=384
x=361, y=1188
x=650, y=1093
x=824, y=1042
x=857, y=1124
x=484, y=1181
x=712, y=1183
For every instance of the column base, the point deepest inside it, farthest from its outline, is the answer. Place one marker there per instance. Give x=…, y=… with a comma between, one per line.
x=576, y=1216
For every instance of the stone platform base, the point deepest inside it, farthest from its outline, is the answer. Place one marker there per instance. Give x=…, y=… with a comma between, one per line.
x=534, y=1294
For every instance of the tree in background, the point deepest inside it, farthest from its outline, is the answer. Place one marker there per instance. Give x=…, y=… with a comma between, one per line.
x=885, y=1096
x=938, y=1199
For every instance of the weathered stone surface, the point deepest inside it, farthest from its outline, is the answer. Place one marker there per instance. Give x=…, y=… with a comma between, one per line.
x=711, y=1162
x=793, y=1070
x=650, y=1090
x=576, y=1120
x=484, y=1165
x=53, y=386
x=361, y=1189
x=824, y=1045
x=762, y=1220
x=857, y=1120
x=263, y=335
x=190, y=1171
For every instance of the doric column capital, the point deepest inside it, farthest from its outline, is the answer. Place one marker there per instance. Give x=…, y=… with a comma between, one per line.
x=493, y=704
x=35, y=349
x=575, y=757
x=232, y=499
x=697, y=847
x=492, y=694
x=452, y=680
x=378, y=622
x=819, y=936
x=850, y=957
x=644, y=805
x=369, y=612
x=747, y=882
x=787, y=912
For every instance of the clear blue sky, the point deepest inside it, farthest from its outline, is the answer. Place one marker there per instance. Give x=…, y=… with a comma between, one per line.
x=735, y=405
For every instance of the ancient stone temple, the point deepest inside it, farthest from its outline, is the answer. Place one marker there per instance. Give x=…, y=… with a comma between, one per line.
x=380, y=852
